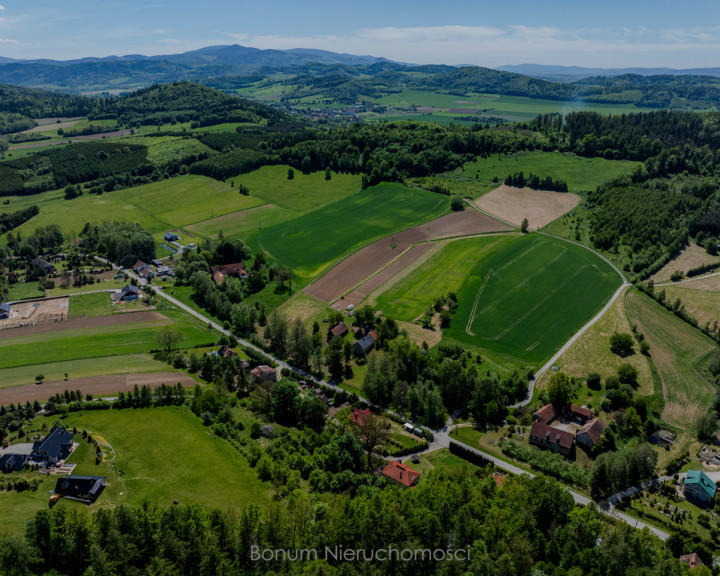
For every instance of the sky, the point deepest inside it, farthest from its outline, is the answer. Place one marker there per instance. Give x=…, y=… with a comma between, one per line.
x=609, y=34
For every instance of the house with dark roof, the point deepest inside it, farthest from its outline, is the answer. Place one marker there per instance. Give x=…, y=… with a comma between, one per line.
x=692, y=560
x=56, y=446
x=171, y=237
x=42, y=265
x=13, y=462
x=340, y=330
x=264, y=373
x=401, y=474
x=589, y=434
x=359, y=416
x=553, y=438
x=699, y=488
x=4, y=310
x=365, y=344
x=81, y=488
x=129, y=292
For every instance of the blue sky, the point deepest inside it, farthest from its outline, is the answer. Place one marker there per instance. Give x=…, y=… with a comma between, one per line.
x=608, y=34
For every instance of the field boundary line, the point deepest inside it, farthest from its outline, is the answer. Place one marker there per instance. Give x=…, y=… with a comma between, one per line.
x=688, y=280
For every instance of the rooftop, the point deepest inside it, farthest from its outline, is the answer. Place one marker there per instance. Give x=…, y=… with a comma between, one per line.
x=699, y=477
x=401, y=473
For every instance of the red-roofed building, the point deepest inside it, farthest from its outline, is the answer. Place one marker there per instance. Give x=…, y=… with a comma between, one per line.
x=692, y=560
x=401, y=474
x=581, y=413
x=545, y=415
x=264, y=373
x=339, y=330
x=554, y=438
x=358, y=416
x=499, y=478
x=237, y=269
x=589, y=434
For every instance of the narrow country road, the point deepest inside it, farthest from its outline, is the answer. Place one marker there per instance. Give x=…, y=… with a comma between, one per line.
x=442, y=437
x=687, y=280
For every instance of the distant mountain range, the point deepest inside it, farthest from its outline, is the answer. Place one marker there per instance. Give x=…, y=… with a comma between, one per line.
x=570, y=73
x=135, y=70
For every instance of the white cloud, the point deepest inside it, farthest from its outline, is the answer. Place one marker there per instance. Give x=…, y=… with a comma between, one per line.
x=2, y=7
x=8, y=41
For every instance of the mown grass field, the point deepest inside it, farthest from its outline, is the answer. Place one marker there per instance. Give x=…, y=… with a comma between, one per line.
x=445, y=271
x=581, y=174
x=161, y=454
x=81, y=368
x=312, y=242
x=24, y=290
x=676, y=349
x=528, y=297
x=90, y=305
x=108, y=345
x=700, y=297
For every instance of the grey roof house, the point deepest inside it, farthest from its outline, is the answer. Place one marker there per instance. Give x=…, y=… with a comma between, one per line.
x=54, y=447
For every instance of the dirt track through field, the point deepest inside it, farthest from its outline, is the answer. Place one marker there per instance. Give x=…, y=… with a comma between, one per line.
x=95, y=385
x=540, y=207
x=367, y=261
x=113, y=320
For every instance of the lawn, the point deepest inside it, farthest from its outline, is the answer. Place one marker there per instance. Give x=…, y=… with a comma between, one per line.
x=62, y=290
x=442, y=459
x=410, y=297
x=161, y=454
x=676, y=348
x=90, y=305
x=24, y=290
x=81, y=368
x=581, y=174
x=311, y=243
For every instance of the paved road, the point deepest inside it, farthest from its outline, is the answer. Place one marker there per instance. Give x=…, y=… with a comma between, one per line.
x=441, y=437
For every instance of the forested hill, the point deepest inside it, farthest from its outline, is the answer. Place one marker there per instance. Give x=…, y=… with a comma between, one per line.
x=184, y=102
x=36, y=103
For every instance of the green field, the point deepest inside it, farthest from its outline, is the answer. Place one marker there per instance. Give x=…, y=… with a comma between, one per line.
x=676, y=350
x=24, y=290
x=90, y=305
x=413, y=294
x=161, y=454
x=487, y=106
x=107, y=344
x=525, y=299
x=314, y=241
x=81, y=368
x=485, y=174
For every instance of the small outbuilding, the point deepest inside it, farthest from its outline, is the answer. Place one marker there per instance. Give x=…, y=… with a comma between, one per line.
x=4, y=310
x=13, y=462
x=171, y=237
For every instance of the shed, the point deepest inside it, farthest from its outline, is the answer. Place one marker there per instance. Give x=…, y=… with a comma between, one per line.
x=82, y=488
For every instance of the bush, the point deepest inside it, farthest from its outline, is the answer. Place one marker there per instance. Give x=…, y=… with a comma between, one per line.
x=594, y=381
x=621, y=344
x=466, y=454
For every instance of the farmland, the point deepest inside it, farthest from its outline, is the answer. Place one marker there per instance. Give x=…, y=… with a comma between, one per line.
x=488, y=107
x=514, y=302
x=514, y=205
x=312, y=242
x=157, y=458
x=485, y=174
x=676, y=349
x=701, y=297
x=410, y=297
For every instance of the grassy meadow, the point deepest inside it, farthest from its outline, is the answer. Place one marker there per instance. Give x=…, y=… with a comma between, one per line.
x=160, y=454
x=485, y=174
x=676, y=350
x=528, y=297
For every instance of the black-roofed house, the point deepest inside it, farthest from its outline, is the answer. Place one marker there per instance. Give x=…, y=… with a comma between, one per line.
x=129, y=292
x=43, y=265
x=365, y=344
x=82, y=488
x=56, y=446
x=13, y=462
x=171, y=237
x=4, y=310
